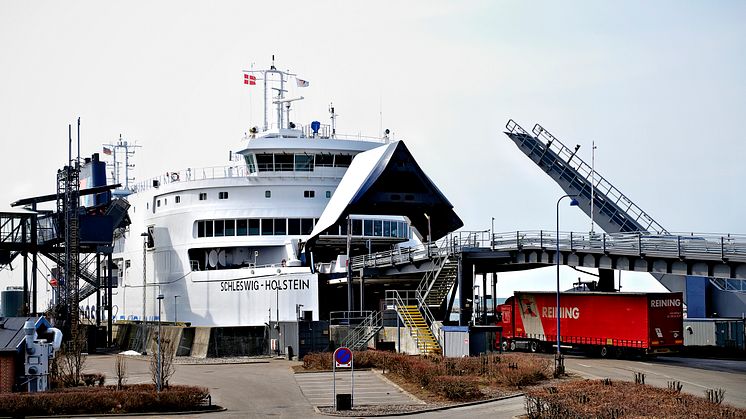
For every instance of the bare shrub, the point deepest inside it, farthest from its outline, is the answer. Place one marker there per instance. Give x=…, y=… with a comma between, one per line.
x=102, y=400
x=593, y=399
x=72, y=358
x=167, y=368
x=120, y=370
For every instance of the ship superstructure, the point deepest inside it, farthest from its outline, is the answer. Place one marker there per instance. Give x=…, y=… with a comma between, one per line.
x=224, y=246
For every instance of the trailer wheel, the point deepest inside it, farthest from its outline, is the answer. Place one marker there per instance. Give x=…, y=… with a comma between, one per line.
x=504, y=346
x=512, y=346
x=604, y=352
x=534, y=346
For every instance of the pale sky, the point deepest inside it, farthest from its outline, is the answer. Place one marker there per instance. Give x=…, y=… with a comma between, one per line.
x=659, y=86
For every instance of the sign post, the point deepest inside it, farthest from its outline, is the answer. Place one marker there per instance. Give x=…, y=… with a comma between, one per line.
x=343, y=359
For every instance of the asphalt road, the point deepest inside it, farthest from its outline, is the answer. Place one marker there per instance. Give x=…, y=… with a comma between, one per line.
x=270, y=388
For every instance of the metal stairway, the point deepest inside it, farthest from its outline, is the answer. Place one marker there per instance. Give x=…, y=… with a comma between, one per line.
x=357, y=339
x=90, y=286
x=415, y=315
x=426, y=342
x=612, y=210
x=436, y=284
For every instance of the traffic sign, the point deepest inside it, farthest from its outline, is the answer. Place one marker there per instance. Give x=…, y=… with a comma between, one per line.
x=343, y=358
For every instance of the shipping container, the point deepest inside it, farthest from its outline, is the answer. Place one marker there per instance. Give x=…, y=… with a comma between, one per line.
x=603, y=324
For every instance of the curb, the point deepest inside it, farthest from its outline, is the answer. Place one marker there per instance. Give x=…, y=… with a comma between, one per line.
x=186, y=412
x=432, y=409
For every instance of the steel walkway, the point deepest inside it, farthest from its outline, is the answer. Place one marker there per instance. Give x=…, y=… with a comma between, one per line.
x=685, y=254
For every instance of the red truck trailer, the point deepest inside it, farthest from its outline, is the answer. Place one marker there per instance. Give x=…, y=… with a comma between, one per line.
x=603, y=324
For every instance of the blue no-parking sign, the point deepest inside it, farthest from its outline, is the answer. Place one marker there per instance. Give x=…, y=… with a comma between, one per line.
x=343, y=358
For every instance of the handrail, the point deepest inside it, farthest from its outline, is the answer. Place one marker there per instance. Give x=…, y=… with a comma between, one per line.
x=412, y=297
x=693, y=245
x=360, y=334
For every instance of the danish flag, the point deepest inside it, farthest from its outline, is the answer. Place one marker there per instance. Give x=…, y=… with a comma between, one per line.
x=249, y=79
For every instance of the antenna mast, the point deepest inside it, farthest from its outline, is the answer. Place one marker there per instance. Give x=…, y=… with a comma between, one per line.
x=333, y=117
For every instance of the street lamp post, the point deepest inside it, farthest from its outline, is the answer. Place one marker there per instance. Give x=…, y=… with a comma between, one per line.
x=429, y=234
x=559, y=367
x=144, y=282
x=159, y=374
x=475, y=293
x=175, y=297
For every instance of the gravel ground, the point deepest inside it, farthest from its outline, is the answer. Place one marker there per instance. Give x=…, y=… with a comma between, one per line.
x=378, y=410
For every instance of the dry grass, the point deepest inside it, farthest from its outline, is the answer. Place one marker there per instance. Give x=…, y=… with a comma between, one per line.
x=607, y=399
x=455, y=379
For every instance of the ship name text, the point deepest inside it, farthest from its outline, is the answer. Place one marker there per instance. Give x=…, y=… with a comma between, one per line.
x=246, y=285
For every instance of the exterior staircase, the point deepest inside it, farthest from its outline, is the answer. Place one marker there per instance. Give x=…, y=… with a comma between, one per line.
x=436, y=284
x=426, y=342
x=416, y=316
x=357, y=339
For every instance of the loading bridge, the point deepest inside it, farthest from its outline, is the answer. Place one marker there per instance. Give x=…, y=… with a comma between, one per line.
x=614, y=212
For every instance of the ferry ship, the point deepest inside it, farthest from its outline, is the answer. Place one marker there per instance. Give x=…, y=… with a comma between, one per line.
x=265, y=238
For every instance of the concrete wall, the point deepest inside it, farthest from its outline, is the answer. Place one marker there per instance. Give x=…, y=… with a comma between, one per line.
x=401, y=337
x=201, y=342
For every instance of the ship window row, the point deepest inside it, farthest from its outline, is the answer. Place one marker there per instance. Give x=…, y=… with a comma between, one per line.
x=371, y=228
x=255, y=227
x=301, y=162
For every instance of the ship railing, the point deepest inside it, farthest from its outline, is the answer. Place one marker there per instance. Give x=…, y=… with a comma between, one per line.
x=190, y=174
x=706, y=246
x=693, y=245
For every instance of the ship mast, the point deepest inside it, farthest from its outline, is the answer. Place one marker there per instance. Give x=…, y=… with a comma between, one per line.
x=281, y=77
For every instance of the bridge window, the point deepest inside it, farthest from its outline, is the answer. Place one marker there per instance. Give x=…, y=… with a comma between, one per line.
x=325, y=160
x=280, y=226
x=303, y=163
x=250, y=162
x=265, y=162
x=284, y=162
x=367, y=227
x=342, y=160
x=230, y=227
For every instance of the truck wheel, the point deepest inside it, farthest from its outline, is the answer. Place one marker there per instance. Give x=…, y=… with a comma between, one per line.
x=512, y=346
x=534, y=346
x=604, y=352
x=504, y=346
